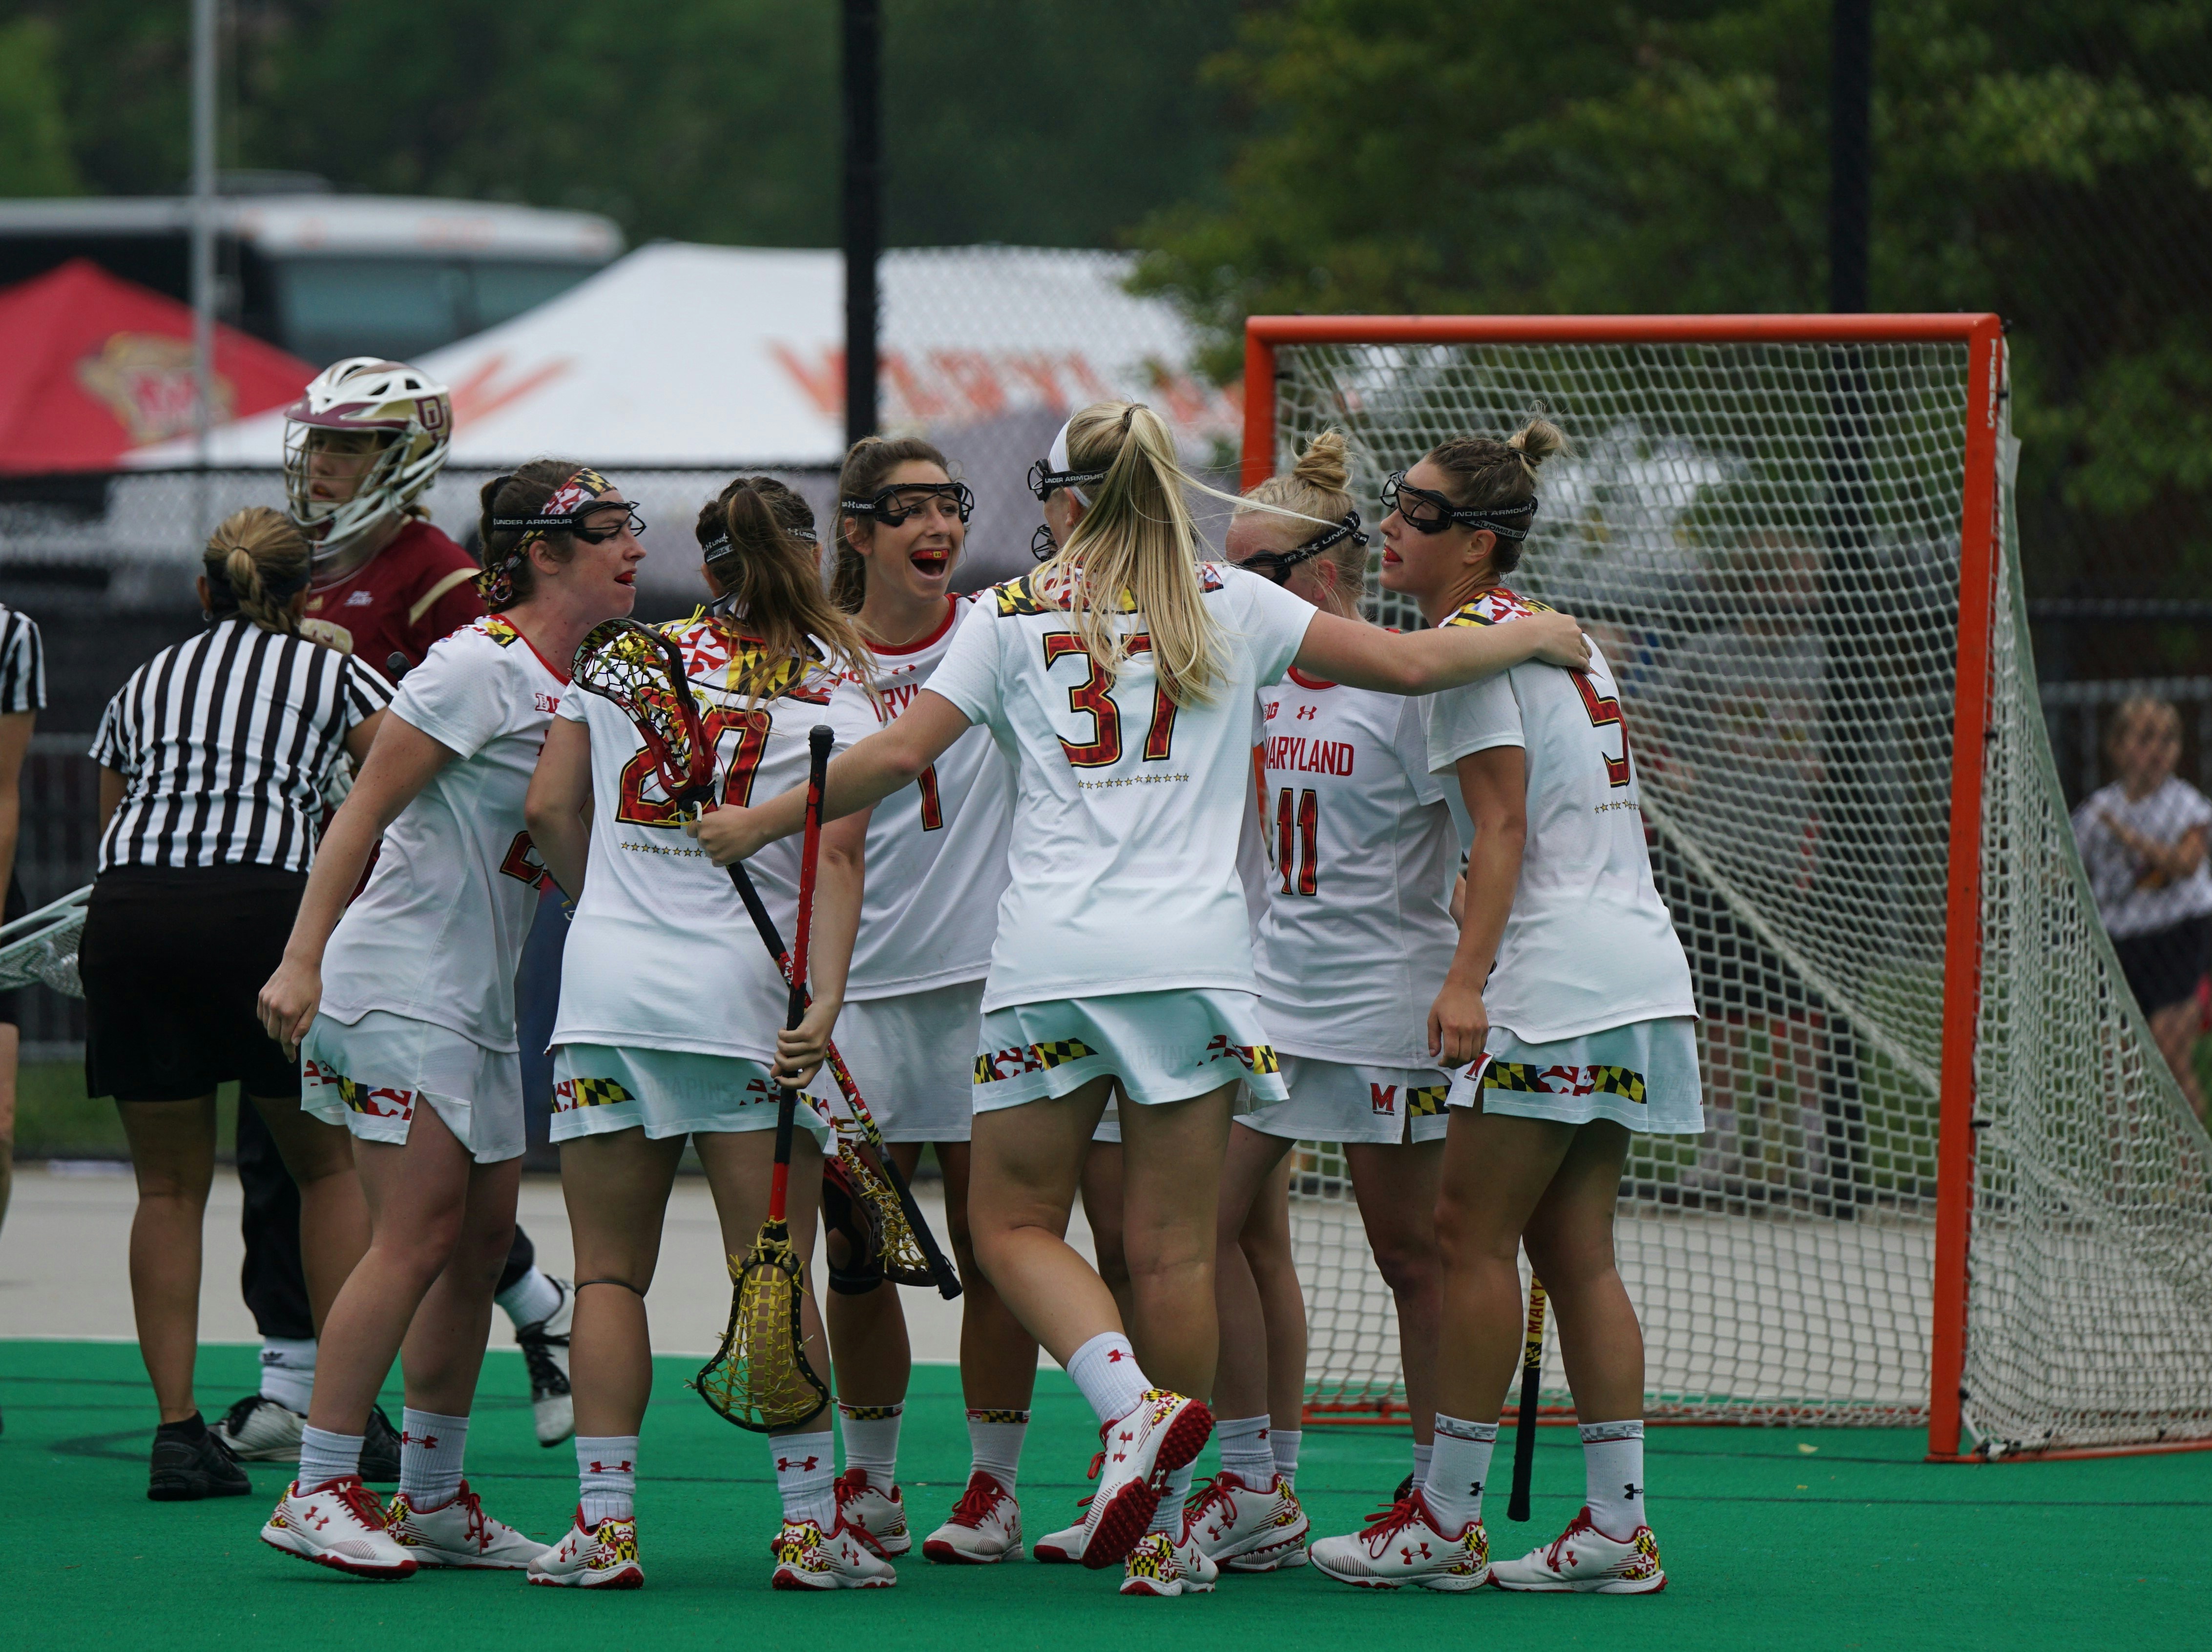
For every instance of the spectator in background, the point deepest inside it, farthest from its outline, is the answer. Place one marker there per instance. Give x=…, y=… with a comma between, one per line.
x=213, y=758
x=23, y=696
x=2142, y=840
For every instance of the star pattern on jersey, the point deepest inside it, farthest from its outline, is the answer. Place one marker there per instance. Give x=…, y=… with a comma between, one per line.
x=1495, y=607
x=1426, y=1102
x=571, y=1093
x=1526, y=1077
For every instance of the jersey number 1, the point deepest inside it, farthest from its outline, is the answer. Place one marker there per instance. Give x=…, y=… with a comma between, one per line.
x=1094, y=698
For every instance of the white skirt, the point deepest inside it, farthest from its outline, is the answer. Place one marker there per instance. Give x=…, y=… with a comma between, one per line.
x=1163, y=1047
x=911, y=1056
x=598, y=1089
x=372, y=1075
x=1642, y=1075
x=1335, y=1101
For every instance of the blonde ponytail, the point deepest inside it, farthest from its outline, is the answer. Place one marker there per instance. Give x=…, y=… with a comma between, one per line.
x=256, y=562
x=1319, y=485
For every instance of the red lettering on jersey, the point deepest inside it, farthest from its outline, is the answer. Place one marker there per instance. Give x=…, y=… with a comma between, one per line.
x=522, y=863
x=1383, y=1098
x=1306, y=713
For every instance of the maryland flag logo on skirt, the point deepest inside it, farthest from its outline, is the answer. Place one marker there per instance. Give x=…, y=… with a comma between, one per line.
x=994, y=1065
x=1426, y=1102
x=571, y=1093
x=1528, y=1079
x=370, y=1101
x=1258, y=1058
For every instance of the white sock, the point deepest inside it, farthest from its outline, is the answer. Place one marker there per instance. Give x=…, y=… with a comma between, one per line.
x=288, y=1372
x=994, y=1441
x=871, y=1441
x=1105, y=1368
x=1168, y=1517
x=1245, y=1451
x=1460, y=1464
x=430, y=1448
x=606, y=1478
x=1284, y=1441
x=805, y=1476
x=1421, y=1455
x=325, y=1456
x=530, y=1300
x=1613, y=1470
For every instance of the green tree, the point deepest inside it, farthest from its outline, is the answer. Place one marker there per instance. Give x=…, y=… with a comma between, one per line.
x=35, y=156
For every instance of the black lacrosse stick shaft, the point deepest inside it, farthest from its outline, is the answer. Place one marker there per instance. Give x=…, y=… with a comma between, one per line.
x=1524, y=1431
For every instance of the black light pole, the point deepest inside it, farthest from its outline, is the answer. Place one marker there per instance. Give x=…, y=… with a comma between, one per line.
x=863, y=211
x=1850, y=152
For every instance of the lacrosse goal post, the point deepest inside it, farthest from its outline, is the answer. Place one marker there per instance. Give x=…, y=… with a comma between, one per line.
x=1946, y=1182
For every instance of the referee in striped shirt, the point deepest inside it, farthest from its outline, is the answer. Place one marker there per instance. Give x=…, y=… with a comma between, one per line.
x=214, y=760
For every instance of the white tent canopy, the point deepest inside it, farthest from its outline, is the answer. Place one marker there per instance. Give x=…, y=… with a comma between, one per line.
x=708, y=355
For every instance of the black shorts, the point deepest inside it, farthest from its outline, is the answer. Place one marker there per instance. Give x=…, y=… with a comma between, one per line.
x=172, y=961
x=2163, y=966
x=16, y=906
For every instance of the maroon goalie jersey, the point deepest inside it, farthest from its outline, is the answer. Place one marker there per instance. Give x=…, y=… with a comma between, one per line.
x=420, y=587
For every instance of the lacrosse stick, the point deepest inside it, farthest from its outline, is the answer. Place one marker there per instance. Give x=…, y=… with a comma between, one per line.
x=1524, y=1430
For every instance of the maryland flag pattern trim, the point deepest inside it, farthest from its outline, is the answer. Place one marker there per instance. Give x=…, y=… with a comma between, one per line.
x=499, y=630
x=709, y=644
x=1527, y=1078
x=1495, y=607
x=572, y=1094
x=1258, y=1058
x=1426, y=1102
x=370, y=1101
x=1022, y=596
x=1029, y=1057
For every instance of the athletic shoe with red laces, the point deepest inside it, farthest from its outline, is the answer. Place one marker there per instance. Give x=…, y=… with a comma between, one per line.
x=1404, y=1546
x=1137, y=1453
x=1247, y=1528
x=1158, y=1565
x=878, y=1519
x=1065, y=1546
x=985, y=1526
x=338, y=1524
x=601, y=1557
x=808, y=1557
x=459, y=1536
x=1583, y=1560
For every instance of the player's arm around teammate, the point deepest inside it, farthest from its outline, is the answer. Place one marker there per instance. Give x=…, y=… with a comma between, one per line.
x=402, y=1008
x=1583, y=1034
x=672, y=1011
x=1119, y=679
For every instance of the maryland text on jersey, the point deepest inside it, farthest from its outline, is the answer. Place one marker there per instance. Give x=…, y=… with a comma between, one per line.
x=1495, y=606
x=710, y=645
x=1022, y=596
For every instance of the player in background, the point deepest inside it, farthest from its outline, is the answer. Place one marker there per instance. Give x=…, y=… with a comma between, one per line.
x=672, y=1013
x=937, y=865
x=1119, y=679
x=362, y=446
x=402, y=1008
x=1583, y=1034
x=23, y=697
x=1355, y=939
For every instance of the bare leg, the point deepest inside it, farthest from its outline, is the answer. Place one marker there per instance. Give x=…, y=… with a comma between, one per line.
x=617, y=1187
x=1171, y=1204
x=333, y=1214
x=1025, y=1161
x=2174, y=1031
x=172, y=1155
x=1570, y=1240
x=444, y=1349
x=1249, y=1163
x=1265, y=1243
x=1102, y=1209
x=1396, y=1188
x=867, y=1333
x=998, y=1359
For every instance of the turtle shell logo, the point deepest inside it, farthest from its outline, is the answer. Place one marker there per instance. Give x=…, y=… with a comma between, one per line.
x=145, y=380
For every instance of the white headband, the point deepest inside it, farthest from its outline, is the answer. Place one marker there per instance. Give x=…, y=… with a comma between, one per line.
x=1058, y=461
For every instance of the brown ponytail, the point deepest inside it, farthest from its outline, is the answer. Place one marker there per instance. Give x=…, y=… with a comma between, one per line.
x=771, y=581
x=523, y=493
x=869, y=462
x=256, y=564
x=1499, y=476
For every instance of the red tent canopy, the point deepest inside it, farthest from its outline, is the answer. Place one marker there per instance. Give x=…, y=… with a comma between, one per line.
x=92, y=366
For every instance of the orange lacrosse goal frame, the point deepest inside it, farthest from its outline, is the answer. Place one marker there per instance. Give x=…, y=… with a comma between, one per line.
x=1978, y=592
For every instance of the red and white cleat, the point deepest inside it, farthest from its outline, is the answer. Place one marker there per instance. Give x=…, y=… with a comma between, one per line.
x=1136, y=1454
x=985, y=1526
x=878, y=1519
x=807, y=1557
x=1063, y=1547
x=338, y=1524
x=1583, y=1560
x=1405, y=1546
x=1245, y=1529
x=601, y=1557
x=460, y=1536
x=1160, y=1565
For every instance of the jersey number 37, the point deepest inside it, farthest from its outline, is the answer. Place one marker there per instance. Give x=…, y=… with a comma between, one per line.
x=1093, y=697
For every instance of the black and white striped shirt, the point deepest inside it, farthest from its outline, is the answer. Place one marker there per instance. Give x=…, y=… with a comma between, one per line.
x=22, y=664
x=225, y=743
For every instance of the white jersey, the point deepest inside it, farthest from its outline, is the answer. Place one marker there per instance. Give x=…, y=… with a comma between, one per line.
x=1357, y=934
x=937, y=849
x=437, y=935
x=1123, y=852
x=1589, y=944
x=660, y=954
x=2131, y=902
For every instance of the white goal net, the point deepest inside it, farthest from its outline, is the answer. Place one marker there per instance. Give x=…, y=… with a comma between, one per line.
x=1765, y=538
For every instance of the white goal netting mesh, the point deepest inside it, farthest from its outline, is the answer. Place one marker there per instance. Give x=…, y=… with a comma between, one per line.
x=1765, y=538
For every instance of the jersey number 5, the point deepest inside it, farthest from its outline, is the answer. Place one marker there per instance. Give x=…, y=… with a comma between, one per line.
x=1094, y=697
x=1603, y=714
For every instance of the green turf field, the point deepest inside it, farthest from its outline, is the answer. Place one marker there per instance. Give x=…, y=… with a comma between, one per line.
x=1771, y=1539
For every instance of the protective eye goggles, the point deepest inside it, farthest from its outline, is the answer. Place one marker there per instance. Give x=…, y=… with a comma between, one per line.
x=894, y=505
x=572, y=501
x=1441, y=515
x=1044, y=481
x=1277, y=564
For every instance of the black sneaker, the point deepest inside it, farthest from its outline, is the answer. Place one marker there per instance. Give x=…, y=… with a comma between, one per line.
x=1405, y=1490
x=257, y=1429
x=379, y=1450
x=190, y=1463
x=545, y=1351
